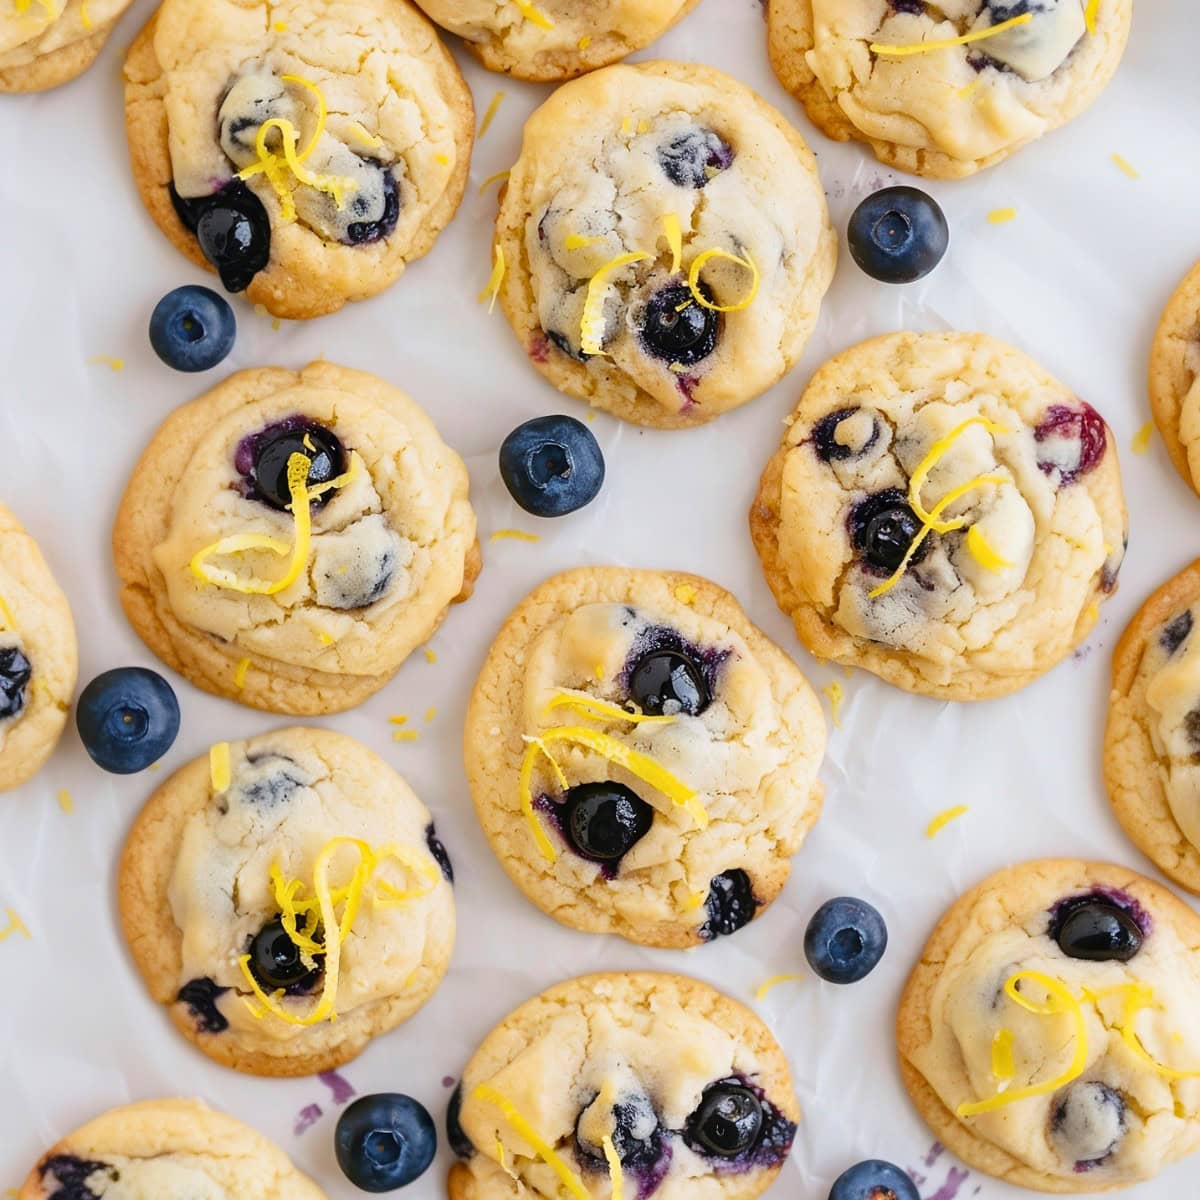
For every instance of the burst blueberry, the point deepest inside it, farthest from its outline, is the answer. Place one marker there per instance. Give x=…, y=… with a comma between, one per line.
x=233, y=230
x=127, y=719
x=898, y=235
x=874, y=1179
x=455, y=1134
x=65, y=1177
x=636, y=1136
x=362, y=233
x=604, y=821
x=1096, y=929
x=15, y=673
x=676, y=329
x=694, y=158
x=192, y=328
x=200, y=996
x=883, y=527
x=384, y=1142
x=669, y=682
x=727, y=1122
x=845, y=940
x=552, y=466
x=276, y=961
x=263, y=459
x=730, y=905
x=1088, y=1121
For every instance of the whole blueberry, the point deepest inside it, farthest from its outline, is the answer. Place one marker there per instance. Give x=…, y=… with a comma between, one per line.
x=898, y=235
x=384, y=1142
x=845, y=940
x=883, y=526
x=192, y=328
x=264, y=457
x=552, y=466
x=127, y=719
x=676, y=329
x=276, y=962
x=235, y=243
x=15, y=674
x=727, y=1121
x=1095, y=929
x=604, y=821
x=671, y=682
x=730, y=904
x=874, y=1180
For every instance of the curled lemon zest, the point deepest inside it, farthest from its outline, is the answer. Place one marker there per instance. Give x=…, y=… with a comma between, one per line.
x=495, y=279
x=698, y=264
x=322, y=113
x=592, y=706
x=982, y=551
x=490, y=115
x=533, y=748
x=1003, y=1065
x=348, y=476
x=1139, y=996
x=219, y=770
x=591, y=326
x=977, y=35
x=943, y=819
x=673, y=232
x=614, y=1167
x=487, y=183
x=760, y=992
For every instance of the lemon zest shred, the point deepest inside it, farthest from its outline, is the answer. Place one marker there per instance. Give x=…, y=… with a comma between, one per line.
x=84, y=15
x=1089, y=15
x=693, y=902
x=1003, y=1065
x=430, y=713
x=430, y=655
x=1125, y=166
x=614, y=1167
x=239, y=674
x=1139, y=996
x=405, y=735
x=982, y=551
x=218, y=767
x=591, y=325
x=515, y=535
x=15, y=925
x=399, y=719
x=836, y=695
x=364, y=135
x=534, y=747
x=534, y=14
x=963, y=92
x=698, y=264
x=964, y=39
x=593, y=706
x=495, y=279
x=65, y=802
x=487, y=183
x=685, y=593
x=107, y=360
x=673, y=232
x=490, y=115
x=1001, y=216
x=585, y=41
x=760, y=992
x=1141, y=439
x=10, y=622
x=577, y=241
x=942, y=819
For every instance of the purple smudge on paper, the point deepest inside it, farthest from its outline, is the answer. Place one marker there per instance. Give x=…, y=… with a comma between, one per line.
x=955, y=1178
x=935, y=1152
x=306, y=1118
x=341, y=1087
x=447, y=1081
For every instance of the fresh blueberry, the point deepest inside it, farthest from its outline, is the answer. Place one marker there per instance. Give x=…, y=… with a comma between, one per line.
x=603, y=821
x=727, y=1121
x=200, y=996
x=636, y=1136
x=874, y=1180
x=275, y=960
x=263, y=459
x=192, y=328
x=455, y=1134
x=845, y=940
x=384, y=1142
x=127, y=719
x=678, y=330
x=693, y=158
x=1096, y=929
x=1174, y=633
x=15, y=673
x=65, y=1177
x=898, y=235
x=730, y=904
x=552, y=465
x=233, y=230
x=361, y=233
x=883, y=527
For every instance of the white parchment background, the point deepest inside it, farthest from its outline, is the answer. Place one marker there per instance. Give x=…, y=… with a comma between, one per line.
x=1078, y=279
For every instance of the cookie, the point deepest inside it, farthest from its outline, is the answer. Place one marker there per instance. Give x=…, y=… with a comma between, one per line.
x=237, y=869
x=716, y=198
x=1049, y=1034
x=942, y=512
x=649, y=1083
x=39, y=658
x=169, y=1149
x=555, y=39
x=643, y=760
x=294, y=612
x=931, y=88
x=305, y=160
x=1175, y=378
x=44, y=43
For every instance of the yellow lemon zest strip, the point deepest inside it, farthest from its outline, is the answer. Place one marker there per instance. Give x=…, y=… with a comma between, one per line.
x=348, y=476
x=1141, y=439
x=585, y=41
x=218, y=767
x=693, y=902
x=107, y=360
x=1138, y=996
x=943, y=819
x=977, y=35
x=15, y=925
x=322, y=113
x=591, y=326
x=1061, y=1001
x=490, y=115
x=534, y=14
x=836, y=695
x=571, y=1181
x=396, y=896
x=487, y=183
x=525, y=794
x=982, y=551
x=1124, y=165
x=614, y=1167
x=936, y=452
x=515, y=535
x=10, y=622
x=1001, y=216
x=65, y=802
x=577, y=241
x=673, y=232
x=1003, y=1066
x=364, y=135
x=592, y=706
x=84, y=16
x=694, y=280
x=497, y=277
x=239, y=674
x=763, y=988
x=1089, y=15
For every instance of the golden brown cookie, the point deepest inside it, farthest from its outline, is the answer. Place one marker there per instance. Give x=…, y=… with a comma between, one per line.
x=1175, y=377
x=45, y=43
x=225, y=582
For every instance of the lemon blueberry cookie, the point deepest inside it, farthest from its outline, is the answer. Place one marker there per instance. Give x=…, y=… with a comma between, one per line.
x=623, y=1084
x=38, y=655
x=945, y=89
x=555, y=39
x=287, y=899
x=1152, y=739
x=643, y=760
x=44, y=43
x=941, y=512
x=307, y=154
x=287, y=539
x=1049, y=1034
x=169, y=1149
x=1175, y=378
x=663, y=244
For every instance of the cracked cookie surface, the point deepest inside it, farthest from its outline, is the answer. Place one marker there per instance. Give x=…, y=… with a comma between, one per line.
x=392, y=541
x=1099, y=1113
x=45, y=43
x=948, y=112
x=943, y=513
x=38, y=656
x=1175, y=378
x=380, y=125
x=634, y=1061
x=169, y=1149
x=212, y=865
x=669, y=831
x=606, y=163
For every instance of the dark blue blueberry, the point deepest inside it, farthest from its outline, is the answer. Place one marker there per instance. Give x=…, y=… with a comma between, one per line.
x=455, y=1134
x=913, y=7
x=693, y=158
x=603, y=821
x=272, y=787
x=678, y=330
x=275, y=961
x=845, y=940
x=883, y=527
x=192, y=328
x=263, y=459
x=552, y=466
x=361, y=233
x=564, y=344
x=1083, y=424
x=825, y=443
x=730, y=904
x=1088, y=1119
x=727, y=1122
x=127, y=718
x=1096, y=929
x=384, y=1142
x=874, y=1180
x=438, y=850
x=233, y=230
x=669, y=681
x=64, y=1177
x=636, y=1137
x=200, y=996
x=15, y=673
x=898, y=235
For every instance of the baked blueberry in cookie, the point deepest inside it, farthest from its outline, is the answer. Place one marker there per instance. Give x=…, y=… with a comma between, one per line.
x=945, y=90
x=643, y=1085
x=290, y=537
x=303, y=173
x=1049, y=1034
x=665, y=243
x=283, y=900
x=642, y=759
x=44, y=43
x=169, y=1149
x=942, y=512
